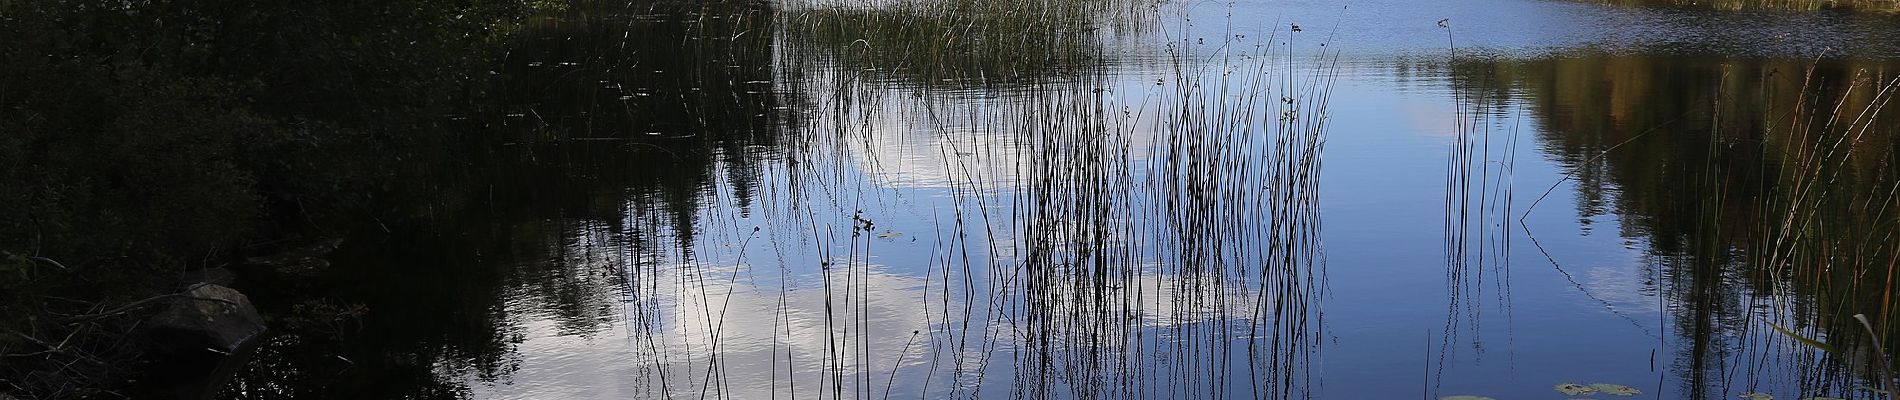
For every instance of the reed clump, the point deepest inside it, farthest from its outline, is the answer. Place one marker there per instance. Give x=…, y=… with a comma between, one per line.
x=993, y=41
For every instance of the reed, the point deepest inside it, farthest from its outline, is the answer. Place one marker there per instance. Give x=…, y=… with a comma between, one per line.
x=1479, y=200
x=1091, y=235
x=1826, y=231
x=944, y=43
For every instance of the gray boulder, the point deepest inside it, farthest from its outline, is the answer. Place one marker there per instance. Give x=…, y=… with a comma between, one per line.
x=199, y=340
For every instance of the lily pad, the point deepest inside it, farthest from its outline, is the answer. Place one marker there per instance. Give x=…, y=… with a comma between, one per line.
x=1757, y=396
x=1465, y=397
x=1574, y=389
x=1615, y=389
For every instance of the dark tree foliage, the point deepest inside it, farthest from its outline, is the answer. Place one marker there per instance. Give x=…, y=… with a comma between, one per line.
x=142, y=138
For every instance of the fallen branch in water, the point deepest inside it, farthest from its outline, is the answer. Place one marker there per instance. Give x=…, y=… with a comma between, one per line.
x=129, y=307
x=1579, y=167
x=49, y=261
x=76, y=319
x=51, y=348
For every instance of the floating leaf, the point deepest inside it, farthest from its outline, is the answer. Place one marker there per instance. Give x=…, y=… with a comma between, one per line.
x=1757, y=396
x=1615, y=389
x=1574, y=389
x=1803, y=339
x=1465, y=397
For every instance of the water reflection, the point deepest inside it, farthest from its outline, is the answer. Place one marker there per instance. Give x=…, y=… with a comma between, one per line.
x=693, y=330
x=977, y=44
x=709, y=201
x=1054, y=272
x=1755, y=188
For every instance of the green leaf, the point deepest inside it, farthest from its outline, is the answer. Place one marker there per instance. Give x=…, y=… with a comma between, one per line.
x=1803, y=339
x=1574, y=389
x=1615, y=389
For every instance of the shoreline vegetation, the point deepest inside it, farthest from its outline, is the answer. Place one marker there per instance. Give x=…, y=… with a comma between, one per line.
x=1782, y=179
x=1785, y=5
x=145, y=142
x=148, y=146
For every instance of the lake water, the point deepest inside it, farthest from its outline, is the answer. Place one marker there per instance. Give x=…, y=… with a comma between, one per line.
x=1300, y=199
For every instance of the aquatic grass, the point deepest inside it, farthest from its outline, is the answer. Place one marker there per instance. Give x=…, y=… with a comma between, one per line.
x=1759, y=191
x=1826, y=231
x=950, y=43
x=1095, y=236
x=1775, y=227
x=1104, y=275
x=1479, y=195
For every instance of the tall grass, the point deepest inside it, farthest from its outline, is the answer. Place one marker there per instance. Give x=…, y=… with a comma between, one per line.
x=1759, y=191
x=1093, y=233
x=1828, y=230
x=1480, y=194
x=947, y=43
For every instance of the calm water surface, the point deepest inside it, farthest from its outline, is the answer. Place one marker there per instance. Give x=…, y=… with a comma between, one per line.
x=1170, y=200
